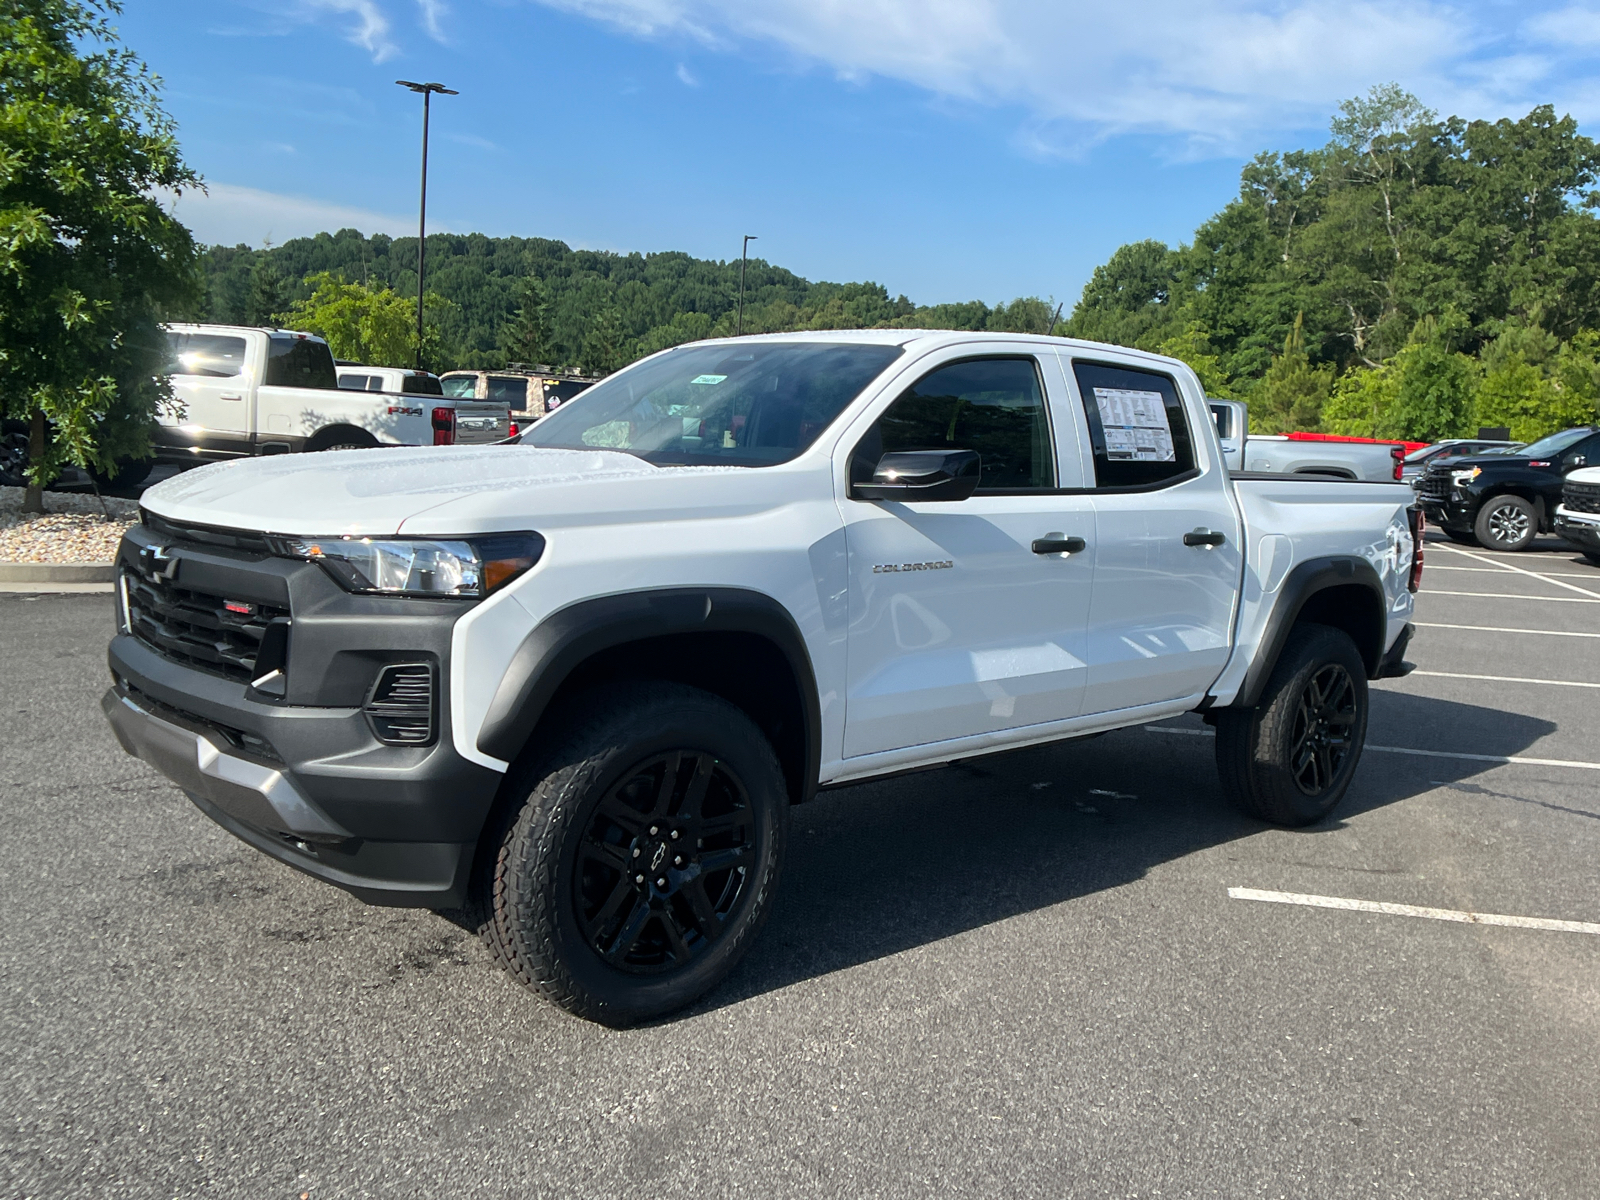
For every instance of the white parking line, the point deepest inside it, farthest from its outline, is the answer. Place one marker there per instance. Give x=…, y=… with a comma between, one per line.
x=1519, y=570
x=1500, y=759
x=1507, y=679
x=1503, y=629
x=1413, y=910
x=1512, y=596
x=1432, y=567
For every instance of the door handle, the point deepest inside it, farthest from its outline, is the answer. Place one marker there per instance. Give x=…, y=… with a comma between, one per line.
x=1056, y=544
x=1204, y=537
x=230, y=396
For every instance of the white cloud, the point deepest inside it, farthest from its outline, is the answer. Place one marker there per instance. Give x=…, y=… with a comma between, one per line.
x=686, y=78
x=1214, y=70
x=369, y=29
x=433, y=12
x=231, y=214
x=1567, y=27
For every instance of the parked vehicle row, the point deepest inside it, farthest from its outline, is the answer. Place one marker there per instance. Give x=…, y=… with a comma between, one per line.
x=1503, y=501
x=576, y=683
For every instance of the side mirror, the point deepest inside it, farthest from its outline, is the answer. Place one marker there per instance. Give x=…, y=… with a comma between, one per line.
x=922, y=475
x=1576, y=461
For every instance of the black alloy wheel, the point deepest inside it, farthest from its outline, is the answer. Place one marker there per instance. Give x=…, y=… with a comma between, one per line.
x=1323, y=725
x=638, y=854
x=1291, y=757
x=664, y=861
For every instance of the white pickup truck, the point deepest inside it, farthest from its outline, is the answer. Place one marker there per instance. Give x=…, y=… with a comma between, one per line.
x=1277, y=454
x=245, y=391
x=577, y=683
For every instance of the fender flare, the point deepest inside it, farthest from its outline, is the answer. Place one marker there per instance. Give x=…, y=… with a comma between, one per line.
x=560, y=643
x=1303, y=582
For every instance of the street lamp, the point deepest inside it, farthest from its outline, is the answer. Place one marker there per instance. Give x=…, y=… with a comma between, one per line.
x=743, y=251
x=426, y=90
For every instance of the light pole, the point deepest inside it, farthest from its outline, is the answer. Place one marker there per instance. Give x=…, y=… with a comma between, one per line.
x=426, y=90
x=743, y=252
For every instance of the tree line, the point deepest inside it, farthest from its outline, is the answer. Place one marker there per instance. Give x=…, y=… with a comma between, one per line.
x=1415, y=277
x=511, y=299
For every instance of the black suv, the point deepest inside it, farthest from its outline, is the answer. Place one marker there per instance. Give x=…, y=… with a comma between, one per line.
x=1503, y=501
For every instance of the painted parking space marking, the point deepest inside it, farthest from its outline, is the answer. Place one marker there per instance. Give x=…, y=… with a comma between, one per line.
x=1432, y=567
x=1498, y=759
x=1503, y=629
x=1520, y=570
x=1512, y=596
x=1413, y=910
x=1506, y=679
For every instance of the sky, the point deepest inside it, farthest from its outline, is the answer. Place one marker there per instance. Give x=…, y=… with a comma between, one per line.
x=947, y=149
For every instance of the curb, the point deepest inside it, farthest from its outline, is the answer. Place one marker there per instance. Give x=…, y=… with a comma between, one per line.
x=58, y=572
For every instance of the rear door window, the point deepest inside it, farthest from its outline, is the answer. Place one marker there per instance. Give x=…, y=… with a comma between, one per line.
x=421, y=385
x=512, y=391
x=1137, y=426
x=994, y=406
x=299, y=362
x=358, y=383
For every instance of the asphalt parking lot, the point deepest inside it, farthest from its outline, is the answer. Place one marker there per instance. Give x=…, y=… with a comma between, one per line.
x=1022, y=977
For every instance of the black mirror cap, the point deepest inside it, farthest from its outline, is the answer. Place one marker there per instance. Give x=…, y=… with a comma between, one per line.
x=922, y=475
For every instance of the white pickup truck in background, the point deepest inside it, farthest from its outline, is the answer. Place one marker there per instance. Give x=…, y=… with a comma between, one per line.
x=1275, y=454
x=245, y=391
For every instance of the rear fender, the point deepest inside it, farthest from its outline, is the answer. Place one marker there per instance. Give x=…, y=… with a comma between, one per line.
x=1340, y=590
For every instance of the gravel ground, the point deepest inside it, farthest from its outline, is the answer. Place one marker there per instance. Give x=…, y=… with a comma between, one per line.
x=75, y=530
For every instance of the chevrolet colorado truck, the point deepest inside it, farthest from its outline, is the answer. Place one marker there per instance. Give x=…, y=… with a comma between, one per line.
x=573, y=685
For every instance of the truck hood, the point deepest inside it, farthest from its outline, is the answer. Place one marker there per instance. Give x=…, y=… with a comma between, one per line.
x=375, y=492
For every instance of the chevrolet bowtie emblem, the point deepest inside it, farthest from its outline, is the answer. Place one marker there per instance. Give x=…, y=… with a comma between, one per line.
x=159, y=561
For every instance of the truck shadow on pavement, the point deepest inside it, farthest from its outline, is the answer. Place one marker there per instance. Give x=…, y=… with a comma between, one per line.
x=880, y=868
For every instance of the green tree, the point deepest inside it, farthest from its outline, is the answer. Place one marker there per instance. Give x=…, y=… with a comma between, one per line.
x=1361, y=400
x=606, y=345
x=1193, y=347
x=367, y=324
x=527, y=336
x=1436, y=396
x=268, y=296
x=1292, y=392
x=90, y=263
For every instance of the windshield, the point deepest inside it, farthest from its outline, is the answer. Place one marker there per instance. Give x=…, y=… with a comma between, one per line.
x=1549, y=447
x=459, y=387
x=1425, y=453
x=749, y=404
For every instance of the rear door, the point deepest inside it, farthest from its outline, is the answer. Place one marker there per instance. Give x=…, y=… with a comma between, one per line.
x=958, y=625
x=1167, y=552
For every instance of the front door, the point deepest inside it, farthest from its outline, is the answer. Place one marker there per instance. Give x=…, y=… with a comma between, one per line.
x=1167, y=559
x=957, y=625
x=208, y=372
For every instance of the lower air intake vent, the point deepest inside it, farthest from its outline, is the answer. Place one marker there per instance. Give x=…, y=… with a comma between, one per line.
x=400, y=710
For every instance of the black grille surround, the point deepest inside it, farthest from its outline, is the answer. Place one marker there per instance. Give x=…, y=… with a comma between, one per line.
x=202, y=629
x=1581, y=497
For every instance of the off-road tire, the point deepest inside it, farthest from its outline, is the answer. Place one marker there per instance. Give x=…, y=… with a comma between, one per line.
x=1256, y=747
x=1506, y=523
x=528, y=894
x=1461, y=537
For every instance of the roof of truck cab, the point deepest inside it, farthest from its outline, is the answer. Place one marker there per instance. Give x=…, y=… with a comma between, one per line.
x=932, y=337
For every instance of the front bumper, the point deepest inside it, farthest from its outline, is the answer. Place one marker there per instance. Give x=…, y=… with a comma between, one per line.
x=303, y=777
x=1448, y=513
x=1579, y=529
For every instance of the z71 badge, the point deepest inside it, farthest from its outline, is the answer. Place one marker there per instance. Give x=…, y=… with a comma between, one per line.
x=885, y=568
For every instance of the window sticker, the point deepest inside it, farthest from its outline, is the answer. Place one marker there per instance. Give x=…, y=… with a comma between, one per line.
x=1135, y=425
x=708, y=379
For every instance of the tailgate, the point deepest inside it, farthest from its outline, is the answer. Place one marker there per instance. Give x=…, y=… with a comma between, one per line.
x=479, y=422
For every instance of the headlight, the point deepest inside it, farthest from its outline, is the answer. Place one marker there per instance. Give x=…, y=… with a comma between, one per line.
x=1463, y=477
x=466, y=567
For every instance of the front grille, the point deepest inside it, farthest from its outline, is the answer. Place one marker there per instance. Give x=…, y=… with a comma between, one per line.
x=1581, y=497
x=401, y=708
x=1435, y=486
x=208, y=631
